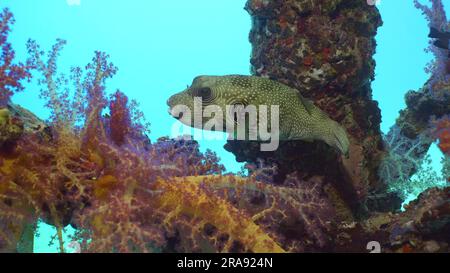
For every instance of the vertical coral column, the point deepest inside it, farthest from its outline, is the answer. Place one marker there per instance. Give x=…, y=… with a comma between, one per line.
x=325, y=50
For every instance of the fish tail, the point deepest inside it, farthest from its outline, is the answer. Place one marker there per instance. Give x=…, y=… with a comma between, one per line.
x=338, y=138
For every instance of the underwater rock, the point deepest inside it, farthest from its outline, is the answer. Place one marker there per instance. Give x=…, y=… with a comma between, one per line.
x=424, y=226
x=16, y=120
x=324, y=48
x=425, y=223
x=431, y=213
x=384, y=202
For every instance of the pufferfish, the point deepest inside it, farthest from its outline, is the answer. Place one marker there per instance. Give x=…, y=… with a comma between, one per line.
x=299, y=118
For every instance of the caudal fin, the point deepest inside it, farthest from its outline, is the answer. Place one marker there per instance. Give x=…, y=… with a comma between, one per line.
x=338, y=138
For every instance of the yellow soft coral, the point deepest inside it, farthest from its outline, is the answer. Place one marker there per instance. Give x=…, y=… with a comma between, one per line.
x=187, y=197
x=103, y=186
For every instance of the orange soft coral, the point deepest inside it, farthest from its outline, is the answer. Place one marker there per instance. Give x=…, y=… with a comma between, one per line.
x=10, y=74
x=442, y=133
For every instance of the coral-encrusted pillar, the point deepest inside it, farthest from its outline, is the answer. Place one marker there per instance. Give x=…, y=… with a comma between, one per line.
x=324, y=49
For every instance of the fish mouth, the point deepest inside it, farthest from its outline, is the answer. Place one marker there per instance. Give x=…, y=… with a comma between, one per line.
x=180, y=116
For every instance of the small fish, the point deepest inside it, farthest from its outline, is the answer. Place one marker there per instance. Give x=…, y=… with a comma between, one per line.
x=299, y=118
x=442, y=38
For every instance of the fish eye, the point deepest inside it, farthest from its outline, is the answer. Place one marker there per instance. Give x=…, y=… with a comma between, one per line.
x=204, y=92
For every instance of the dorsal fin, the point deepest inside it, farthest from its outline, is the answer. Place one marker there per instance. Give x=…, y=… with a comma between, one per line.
x=307, y=104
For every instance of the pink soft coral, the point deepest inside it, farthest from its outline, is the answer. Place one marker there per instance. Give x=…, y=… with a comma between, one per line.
x=10, y=74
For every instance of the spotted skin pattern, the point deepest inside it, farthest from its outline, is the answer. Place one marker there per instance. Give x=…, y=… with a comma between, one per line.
x=299, y=118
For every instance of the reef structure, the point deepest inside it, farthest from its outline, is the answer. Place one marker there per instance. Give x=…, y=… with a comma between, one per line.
x=324, y=49
x=426, y=114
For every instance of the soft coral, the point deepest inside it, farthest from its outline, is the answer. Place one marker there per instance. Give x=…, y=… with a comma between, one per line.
x=120, y=121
